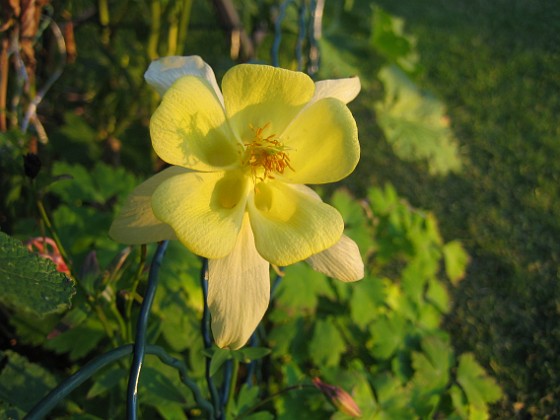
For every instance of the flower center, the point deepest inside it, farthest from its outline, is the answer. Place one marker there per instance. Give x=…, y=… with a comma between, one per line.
x=265, y=156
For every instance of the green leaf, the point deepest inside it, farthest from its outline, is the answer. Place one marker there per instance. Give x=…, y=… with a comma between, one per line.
x=388, y=334
x=432, y=365
x=30, y=282
x=389, y=40
x=456, y=261
x=247, y=397
x=219, y=357
x=78, y=341
x=367, y=296
x=106, y=381
x=300, y=289
x=22, y=383
x=415, y=124
x=479, y=388
x=247, y=354
x=80, y=184
x=327, y=344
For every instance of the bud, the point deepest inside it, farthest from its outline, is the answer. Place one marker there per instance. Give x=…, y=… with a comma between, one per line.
x=339, y=397
x=31, y=165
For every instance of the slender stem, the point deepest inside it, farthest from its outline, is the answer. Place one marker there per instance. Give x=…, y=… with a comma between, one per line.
x=155, y=26
x=140, y=342
x=184, y=24
x=302, y=29
x=5, y=43
x=275, y=53
x=104, y=19
x=61, y=44
x=43, y=407
x=132, y=293
x=232, y=383
x=207, y=338
x=182, y=368
x=55, y=236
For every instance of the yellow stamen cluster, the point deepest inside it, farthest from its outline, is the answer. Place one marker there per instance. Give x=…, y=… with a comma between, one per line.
x=265, y=155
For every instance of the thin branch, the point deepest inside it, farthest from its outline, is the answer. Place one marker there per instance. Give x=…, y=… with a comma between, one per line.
x=140, y=343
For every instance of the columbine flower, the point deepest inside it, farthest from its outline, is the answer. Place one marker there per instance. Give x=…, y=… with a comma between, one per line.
x=235, y=192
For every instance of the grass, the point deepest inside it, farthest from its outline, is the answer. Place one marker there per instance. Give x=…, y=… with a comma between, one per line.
x=495, y=64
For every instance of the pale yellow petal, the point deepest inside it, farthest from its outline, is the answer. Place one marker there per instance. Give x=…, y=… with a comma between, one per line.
x=345, y=90
x=290, y=225
x=136, y=223
x=341, y=261
x=163, y=72
x=204, y=209
x=189, y=128
x=322, y=144
x=258, y=96
x=238, y=291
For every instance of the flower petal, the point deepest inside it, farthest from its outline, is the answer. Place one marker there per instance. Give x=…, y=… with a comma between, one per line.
x=238, y=291
x=258, y=96
x=323, y=144
x=204, y=209
x=341, y=261
x=136, y=223
x=345, y=90
x=290, y=225
x=189, y=128
x=162, y=73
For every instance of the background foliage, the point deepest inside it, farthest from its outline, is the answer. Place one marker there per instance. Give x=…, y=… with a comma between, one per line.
x=404, y=341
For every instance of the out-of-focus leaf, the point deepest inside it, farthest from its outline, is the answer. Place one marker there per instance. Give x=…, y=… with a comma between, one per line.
x=30, y=282
x=432, y=365
x=22, y=383
x=106, y=381
x=355, y=221
x=388, y=334
x=367, y=296
x=79, y=341
x=479, y=388
x=79, y=184
x=327, y=344
x=456, y=261
x=389, y=40
x=392, y=397
x=247, y=397
x=415, y=124
x=437, y=295
x=300, y=289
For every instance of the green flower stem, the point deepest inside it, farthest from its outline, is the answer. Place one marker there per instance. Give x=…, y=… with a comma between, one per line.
x=164, y=357
x=56, y=238
x=155, y=27
x=275, y=52
x=132, y=293
x=43, y=407
x=302, y=29
x=184, y=25
x=104, y=19
x=141, y=327
x=207, y=338
x=232, y=383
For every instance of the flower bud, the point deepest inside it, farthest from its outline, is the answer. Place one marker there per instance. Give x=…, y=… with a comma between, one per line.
x=339, y=397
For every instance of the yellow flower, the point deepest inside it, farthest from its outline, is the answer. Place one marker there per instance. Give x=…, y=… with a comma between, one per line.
x=235, y=192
